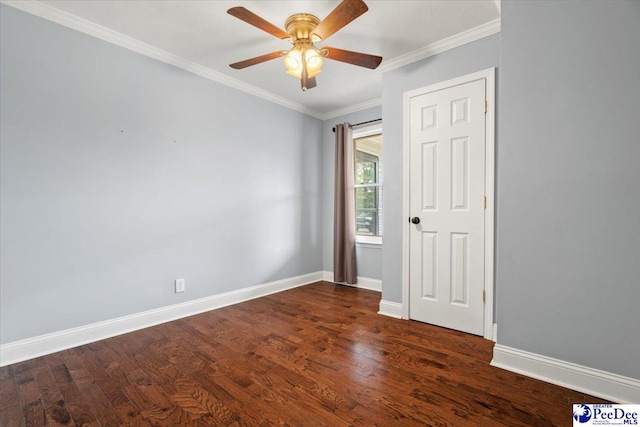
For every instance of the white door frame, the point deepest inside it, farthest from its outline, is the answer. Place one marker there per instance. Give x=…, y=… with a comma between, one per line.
x=489, y=76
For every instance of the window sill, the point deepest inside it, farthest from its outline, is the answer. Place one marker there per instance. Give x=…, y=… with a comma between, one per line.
x=369, y=241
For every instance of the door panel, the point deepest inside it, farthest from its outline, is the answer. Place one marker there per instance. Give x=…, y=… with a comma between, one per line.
x=429, y=265
x=447, y=170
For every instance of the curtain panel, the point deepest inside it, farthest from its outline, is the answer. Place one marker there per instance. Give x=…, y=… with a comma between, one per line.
x=344, y=216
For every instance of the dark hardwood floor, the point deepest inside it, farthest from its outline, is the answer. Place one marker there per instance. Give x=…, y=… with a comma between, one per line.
x=318, y=355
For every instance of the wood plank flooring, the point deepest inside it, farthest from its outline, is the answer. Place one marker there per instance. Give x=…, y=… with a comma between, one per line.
x=318, y=355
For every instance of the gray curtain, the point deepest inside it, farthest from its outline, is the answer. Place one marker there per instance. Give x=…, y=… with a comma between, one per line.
x=344, y=213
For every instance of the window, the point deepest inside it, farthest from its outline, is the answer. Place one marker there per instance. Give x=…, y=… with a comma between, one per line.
x=368, y=184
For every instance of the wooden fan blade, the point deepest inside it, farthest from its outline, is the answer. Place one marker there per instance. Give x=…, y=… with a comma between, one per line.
x=355, y=58
x=311, y=83
x=307, y=82
x=304, y=77
x=253, y=19
x=346, y=12
x=257, y=60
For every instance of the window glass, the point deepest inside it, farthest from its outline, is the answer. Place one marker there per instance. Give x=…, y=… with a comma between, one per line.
x=368, y=183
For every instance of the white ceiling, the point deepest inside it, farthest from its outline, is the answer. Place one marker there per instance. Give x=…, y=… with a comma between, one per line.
x=201, y=34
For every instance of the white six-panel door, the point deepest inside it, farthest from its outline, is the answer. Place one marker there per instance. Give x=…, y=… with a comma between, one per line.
x=447, y=195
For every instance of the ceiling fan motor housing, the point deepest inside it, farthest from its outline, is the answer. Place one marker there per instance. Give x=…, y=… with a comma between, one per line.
x=300, y=26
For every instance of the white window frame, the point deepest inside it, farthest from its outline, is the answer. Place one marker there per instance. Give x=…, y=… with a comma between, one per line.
x=362, y=132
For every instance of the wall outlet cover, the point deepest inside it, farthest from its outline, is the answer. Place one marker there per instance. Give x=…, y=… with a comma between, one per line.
x=180, y=285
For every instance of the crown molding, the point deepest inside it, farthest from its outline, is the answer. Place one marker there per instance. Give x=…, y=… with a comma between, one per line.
x=352, y=108
x=69, y=20
x=74, y=22
x=481, y=31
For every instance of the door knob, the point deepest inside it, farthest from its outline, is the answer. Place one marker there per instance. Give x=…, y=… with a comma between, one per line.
x=415, y=220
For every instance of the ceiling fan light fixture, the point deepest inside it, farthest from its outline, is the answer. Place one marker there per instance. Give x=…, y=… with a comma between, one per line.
x=314, y=61
x=294, y=61
x=304, y=60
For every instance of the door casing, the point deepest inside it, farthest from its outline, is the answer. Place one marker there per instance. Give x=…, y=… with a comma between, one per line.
x=489, y=225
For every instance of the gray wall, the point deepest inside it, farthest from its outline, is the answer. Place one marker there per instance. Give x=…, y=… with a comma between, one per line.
x=568, y=270
x=101, y=210
x=368, y=258
x=472, y=57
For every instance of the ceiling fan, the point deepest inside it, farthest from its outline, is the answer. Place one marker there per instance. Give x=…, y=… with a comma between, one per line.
x=304, y=59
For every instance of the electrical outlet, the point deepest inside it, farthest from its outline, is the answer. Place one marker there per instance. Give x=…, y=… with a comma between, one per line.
x=180, y=285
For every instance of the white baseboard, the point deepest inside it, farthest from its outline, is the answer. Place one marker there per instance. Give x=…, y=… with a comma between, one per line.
x=391, y=309
x=29, y=348
x=606, y=385
x=363, y=282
